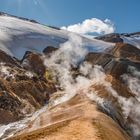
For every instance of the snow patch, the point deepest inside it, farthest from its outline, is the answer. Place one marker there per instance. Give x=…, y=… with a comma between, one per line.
x=132, y=40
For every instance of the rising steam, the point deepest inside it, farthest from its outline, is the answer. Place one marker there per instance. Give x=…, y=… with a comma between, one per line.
x=69, y=56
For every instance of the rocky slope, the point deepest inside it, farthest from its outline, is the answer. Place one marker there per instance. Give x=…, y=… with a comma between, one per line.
x=22, y=90
x=58, y=85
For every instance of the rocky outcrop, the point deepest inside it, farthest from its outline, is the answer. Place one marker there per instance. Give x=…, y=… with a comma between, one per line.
x=8, y=60
x=117, y=60
x=49, y=49
x=33, y=62
x=115, y=38
x=127, y=51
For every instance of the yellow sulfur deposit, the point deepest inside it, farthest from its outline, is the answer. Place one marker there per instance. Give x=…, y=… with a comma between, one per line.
x=47, y=76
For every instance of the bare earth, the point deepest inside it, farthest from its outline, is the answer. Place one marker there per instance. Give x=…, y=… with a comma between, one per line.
x=76, y=119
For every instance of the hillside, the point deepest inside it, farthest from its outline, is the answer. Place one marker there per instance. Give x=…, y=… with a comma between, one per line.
x=56, y=84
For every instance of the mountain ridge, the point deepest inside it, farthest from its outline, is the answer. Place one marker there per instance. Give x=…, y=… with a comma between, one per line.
x=55, y=83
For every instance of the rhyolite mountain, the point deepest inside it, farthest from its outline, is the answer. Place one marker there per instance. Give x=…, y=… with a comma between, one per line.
x=59, y=85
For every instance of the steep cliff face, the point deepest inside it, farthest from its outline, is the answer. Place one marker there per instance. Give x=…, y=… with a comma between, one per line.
x=59, y=85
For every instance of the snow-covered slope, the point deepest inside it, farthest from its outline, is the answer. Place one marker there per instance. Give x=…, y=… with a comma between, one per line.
x=18, y=36
x=132, y=39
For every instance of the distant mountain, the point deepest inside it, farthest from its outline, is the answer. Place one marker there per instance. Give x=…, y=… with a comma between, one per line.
x=131, y=38
x=55, y=84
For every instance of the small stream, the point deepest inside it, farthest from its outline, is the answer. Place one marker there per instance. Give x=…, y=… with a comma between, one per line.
x=9, y=130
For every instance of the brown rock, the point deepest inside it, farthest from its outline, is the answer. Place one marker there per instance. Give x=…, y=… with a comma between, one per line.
x=33, y=62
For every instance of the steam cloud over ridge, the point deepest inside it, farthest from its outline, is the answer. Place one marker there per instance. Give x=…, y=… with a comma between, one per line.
x=66, y=57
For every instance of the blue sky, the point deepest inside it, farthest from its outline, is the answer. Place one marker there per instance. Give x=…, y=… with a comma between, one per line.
x=125, y=14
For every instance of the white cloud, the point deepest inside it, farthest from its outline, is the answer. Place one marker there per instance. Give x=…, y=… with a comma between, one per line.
x=90, y=26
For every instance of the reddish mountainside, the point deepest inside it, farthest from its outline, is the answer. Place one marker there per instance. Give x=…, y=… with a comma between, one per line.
x=23, y=88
